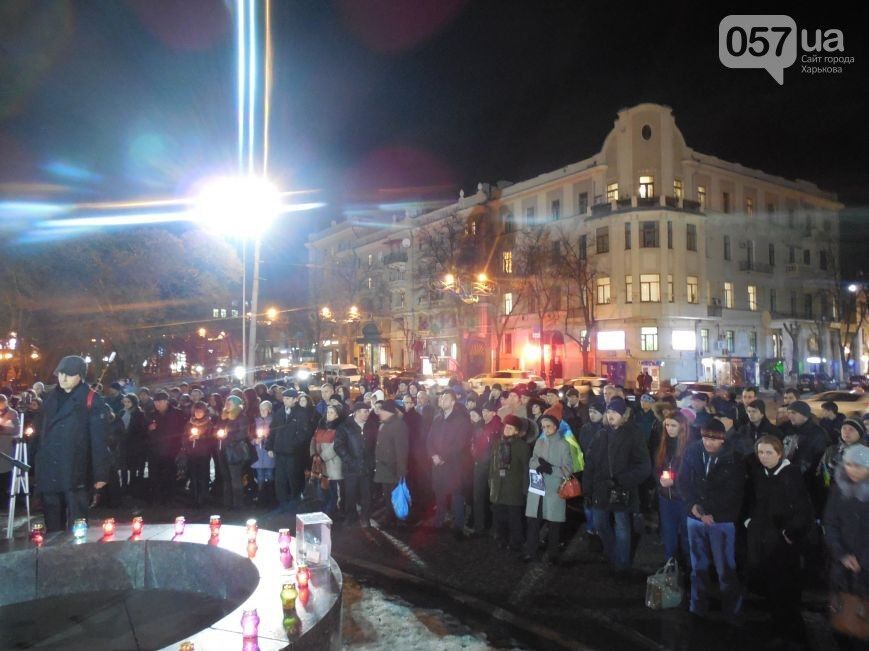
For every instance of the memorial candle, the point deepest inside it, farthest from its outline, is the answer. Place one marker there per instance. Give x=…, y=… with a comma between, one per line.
x=303, y=575
x=179, y=525
x=214, y=523
x=250, y=623
x=252, y=529
x=80, y=528
x=109, y=527
x=137, y=525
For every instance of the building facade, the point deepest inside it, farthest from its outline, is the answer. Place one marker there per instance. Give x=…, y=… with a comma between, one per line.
x=696, y=268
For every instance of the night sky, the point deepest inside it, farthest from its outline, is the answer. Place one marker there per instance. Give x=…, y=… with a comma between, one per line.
x=378, y=101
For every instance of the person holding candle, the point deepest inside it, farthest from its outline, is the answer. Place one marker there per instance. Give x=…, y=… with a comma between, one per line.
x=263, y=465
x=198, y=442
x=671, y=507
x=234, y=451
x=323, y=447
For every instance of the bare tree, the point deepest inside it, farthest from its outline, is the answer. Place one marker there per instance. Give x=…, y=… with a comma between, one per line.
x=580, y=278
x=793, y=329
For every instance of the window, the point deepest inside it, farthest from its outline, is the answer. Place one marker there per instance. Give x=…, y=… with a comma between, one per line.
x=693, y=284
x=508, y=343
x=603, y=291
x=649, y=235
x=603, y=239
x=612, y=192
x=529, y=215
x=555, y=209
x=677, y=188
x=822, y=260
x=508, y=222
x=728, y=295
x=370, y=259
x=234, y=313
x=583, y=203
x=772, y=298
x=691, y=233
x=583, y=247
x=647, y=186
x=670, y=297
x=807, y=305
x=474, y=227
x=669, y=235
x=627, y=236
x=807, y=257
x=508, y=302
x=752, y=343
x=777, y=343
x=792, y=255
x=650, y=288
x=729, y=340
x=507, y=262
x=629, y=289
x=770, y=209
x=752, y=298
x=749, y=206
x=825, y=306
x=725, y=202
x=727, y=247
x=611, y=340
x=701, y=196
x=771, y=254
x=704, y=340
x=215, y=313
x=370, y=283
x=648, y=339
x=684, y=340
x=749, y=253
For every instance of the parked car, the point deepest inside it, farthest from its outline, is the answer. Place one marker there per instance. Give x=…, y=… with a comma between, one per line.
x=347, y=374
x=508, y=379
x=587, y=382
x=816, y=382
x=849, y=403
x=695, y=387
x=859, y=381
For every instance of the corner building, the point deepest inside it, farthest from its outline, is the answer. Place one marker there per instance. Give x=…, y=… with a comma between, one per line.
x=702, y=269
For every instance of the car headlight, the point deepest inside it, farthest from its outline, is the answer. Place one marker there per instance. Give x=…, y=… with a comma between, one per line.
x=442, y=381
x=303, y=374
x=428, y=383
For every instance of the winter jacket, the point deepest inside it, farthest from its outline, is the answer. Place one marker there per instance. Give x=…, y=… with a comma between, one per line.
x=588, y=435
x=450, y=438
x=484, y=438
x=554, y=449
x=350, y=445
x=719, y=493
x=846, y=529
x=165, y=431
x=263, y=460
x=508, y=471
x=236, y=427
x=390, y=456
x=672, y=464
x=618, y=458
x=779, y=506
x=72, y=452
x=805, y=445
x=138, y=439
x=833, y=427
x=577, y=416
x=289, y=434
x=323, y=445
x=753, y=432
x=203, y=445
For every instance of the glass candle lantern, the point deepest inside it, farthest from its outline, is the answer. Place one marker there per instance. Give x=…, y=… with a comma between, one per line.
x=666, y=475
x=109, y=527
x=80, y=528
x=286, y=559
x=284, y=540
x=291, y=624
x=303, y=575
x=250, y=623
x=138, y=524
x=252, y=530
x=288, y=596
x=37, y=533
x=250, y=644
x=314, y=538
x=252, y=548
x=304, y=596
x=187, y=646
x=214, y=523
x=179, y=525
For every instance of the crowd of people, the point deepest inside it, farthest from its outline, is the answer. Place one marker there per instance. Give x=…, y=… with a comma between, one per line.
x=741, y=498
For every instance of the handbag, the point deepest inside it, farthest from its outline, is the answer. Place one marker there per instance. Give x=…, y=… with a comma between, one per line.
x=619, y=496
x=664, y=587
x=569, y=487
x=849, y=615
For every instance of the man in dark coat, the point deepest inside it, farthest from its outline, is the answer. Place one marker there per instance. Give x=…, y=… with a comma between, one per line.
x=758, y=424
x=73, y=454
x=805, y=444
x=615, y=466
x=165, y=430
x=831, y=420
x=576, y=409
x=288, y=432
x=699, y=402
x=711, y=480
x=390, y=455
x=356, y=464
x=449, y=443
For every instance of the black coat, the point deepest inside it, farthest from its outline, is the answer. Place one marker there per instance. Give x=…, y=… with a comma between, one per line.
x=779, y=504
x=846, y=529
x=291, y=433
x=356, y=460
x=73, y=452
x=137, y=438
x=450, y=438
x=753, y=432
x=618, y=456
x=719, y=493
x=165, y=438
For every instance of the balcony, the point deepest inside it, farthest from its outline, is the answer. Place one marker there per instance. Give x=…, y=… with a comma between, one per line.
x=797, y=268
x=713, y=310
x=623, y=204
x=648, y=202
x=751, y=265
x=396, y=259
x=671, y=202
x=599, y=209
x=690, y=205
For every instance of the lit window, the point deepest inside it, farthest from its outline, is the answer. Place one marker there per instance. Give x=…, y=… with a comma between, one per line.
x=670, y=297
x=370, y=283
x=701, y=196
x=752, y=298
x=612, y=192
x=704, y=340
x=215, y=313
x=603, y=290
x=693, y=284
x=508, y=303
x=648, y=339
x=611, y=340
x=647, y=186
x=677, y=188
x=749, y=206
x=507, y=262
x=370, y=259
x=223, y=313
x=728, y=295
x=629, y=289
x=729, y=340
x=650, y=288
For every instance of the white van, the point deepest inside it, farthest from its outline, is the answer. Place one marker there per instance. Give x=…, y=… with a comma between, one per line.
x=345, y=373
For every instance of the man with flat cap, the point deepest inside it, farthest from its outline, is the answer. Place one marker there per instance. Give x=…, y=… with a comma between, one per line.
x=72, y=455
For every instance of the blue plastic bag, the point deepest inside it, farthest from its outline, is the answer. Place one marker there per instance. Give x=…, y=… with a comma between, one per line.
x=401, y=500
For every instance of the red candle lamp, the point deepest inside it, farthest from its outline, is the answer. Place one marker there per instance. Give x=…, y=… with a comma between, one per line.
x=137, y=525
x=303, y=575
x=37, y=533
x=214, y=523
x=252, y=530
x=109, y=527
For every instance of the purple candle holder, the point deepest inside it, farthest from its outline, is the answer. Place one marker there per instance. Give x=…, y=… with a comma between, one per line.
x=250, y=623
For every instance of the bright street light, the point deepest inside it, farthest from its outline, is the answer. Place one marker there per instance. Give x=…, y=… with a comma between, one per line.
x=240, y=206
x=202, y=332
x=238, y=372
x=852, y=288
x=272, y=313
